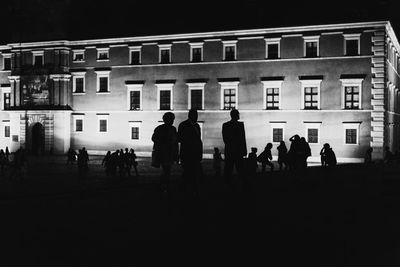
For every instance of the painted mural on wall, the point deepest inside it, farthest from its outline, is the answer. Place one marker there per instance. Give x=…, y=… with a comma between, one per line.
x=35, y=90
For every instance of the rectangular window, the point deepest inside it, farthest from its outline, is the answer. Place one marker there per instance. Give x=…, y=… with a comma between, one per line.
x=6, y=63
x=79, y=85
x=7, y=99
x=165, y=100
x=351, y=136
x=165, y=56
x=352, y=94
x=78, y=125
x=102, y=125
x=229, y=99
x=311, y=49
x=196, y=99
x=311, y=98
x=135, y=100
x=7, y=131
x=312, y=135
x=272, y=98
x=135, y=57
x=38, y=60
x=103, y=54
x=273, y=51
x=103, y=84
x=352, y=48
x=78, y=56
x=277, y=135
x=197, y=54
x=135, y=133
x=230, y=51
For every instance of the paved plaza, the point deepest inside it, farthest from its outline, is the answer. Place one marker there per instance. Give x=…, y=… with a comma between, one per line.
x=346, y=216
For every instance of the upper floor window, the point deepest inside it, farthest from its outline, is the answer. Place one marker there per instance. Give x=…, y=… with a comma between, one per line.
x=78, y=82
x=78, y=55
x=134, y=96
x=229, y=50
x=6, y=61
x=6, y=101
x=103, y=81
x=38, y=58
x=273, y=48
x=229, y=95
x=351, y=93
x=352, y=44
x=196, y=52
x=165, y=53
x=310, y=94
x=165, y=96
x=135, y=55
x=311, y=46
x=272, y=94
x=103, y=54
x=196, y=96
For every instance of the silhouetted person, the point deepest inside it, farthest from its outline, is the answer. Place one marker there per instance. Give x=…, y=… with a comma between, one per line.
x=7, y=154
x=265, y=158
x=234, y=138
x=323, y=156
x=293, y=154
x=282, y=155
x=106, y=163
x=368, y=156
x=132, y=161
x=252, y=162
x=71, y=156
x=121, y=163
x=191, y=150
x=83, y=167
x=18, y=164
x=217, y=159
x=388, y=155
x=329, y=157
x=303, y=153
x=165, y=149
x=3, y=161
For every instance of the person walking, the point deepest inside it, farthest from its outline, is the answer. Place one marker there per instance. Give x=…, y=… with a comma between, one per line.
x=282, y=155
x=165, y=149
x=234, y=137
x=265, y=158
x=191, y=151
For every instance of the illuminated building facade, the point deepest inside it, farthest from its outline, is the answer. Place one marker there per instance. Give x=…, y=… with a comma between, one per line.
x=335, y=84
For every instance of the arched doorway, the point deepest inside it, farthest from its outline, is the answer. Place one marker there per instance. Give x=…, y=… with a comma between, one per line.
x=37, y=140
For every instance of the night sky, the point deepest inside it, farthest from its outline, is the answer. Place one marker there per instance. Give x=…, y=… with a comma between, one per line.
x=38, y=20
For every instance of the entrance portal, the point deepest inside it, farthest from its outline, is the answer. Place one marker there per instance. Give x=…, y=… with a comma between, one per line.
x=37, y=139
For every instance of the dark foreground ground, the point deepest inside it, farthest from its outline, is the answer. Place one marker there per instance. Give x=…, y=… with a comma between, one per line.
x=349, y=216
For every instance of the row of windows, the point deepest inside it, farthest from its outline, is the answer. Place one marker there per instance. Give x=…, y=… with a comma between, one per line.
x=60, y=56
x=312, y=132
x=351, y=93
x=311, y=49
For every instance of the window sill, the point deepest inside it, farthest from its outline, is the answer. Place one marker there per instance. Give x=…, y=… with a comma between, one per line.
x=79, y=93
x=351, y=144
x=135, y=109
x=103, y=60
x=103, y=93
x=78, y=61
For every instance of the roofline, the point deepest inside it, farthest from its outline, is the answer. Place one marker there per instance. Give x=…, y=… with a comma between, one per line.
x=392, y=36
x=205, y=35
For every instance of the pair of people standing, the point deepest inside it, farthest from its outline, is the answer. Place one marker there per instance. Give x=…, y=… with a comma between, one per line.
x=165, y=149
x=166, y=152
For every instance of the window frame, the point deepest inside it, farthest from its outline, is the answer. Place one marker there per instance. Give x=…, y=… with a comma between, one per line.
x=135, y=49
x=313, y=125
x=35, y=54
x=76, y=75
x=136, y=124
x=6, y=123
x=229, y=44
x=195, y=86
x=277, y=125
x=76, y=52
x=310, y=83
x=271, y=41
x=351, y=83
x=353, y=36
x=309, y=39
x=351, y=126
x=5, y=90
x=193, y=46
x=102, y=117
x=164, y=47
x=79, y=117
x=103, y=74
x=6, y=56
x=272, y=84
x=229, y=85
x=138, y=88
x=103, y=50
x=165, y=87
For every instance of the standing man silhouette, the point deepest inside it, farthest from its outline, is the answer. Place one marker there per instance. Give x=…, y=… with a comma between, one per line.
x=234, y=138
x=191, y=150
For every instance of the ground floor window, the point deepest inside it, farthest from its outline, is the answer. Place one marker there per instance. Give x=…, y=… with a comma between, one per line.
x=351, y=136
x=277, y=135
